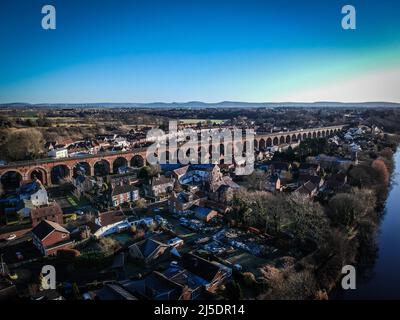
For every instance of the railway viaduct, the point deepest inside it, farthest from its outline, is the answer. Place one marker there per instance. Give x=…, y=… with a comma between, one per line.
x=43, y=169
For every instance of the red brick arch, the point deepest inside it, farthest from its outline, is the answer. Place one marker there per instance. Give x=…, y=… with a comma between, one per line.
x=44, y=174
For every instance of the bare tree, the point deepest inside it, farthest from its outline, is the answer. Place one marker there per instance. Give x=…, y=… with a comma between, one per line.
x=24, y=144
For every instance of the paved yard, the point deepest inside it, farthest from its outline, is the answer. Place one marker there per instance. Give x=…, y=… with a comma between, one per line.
x=248, y=261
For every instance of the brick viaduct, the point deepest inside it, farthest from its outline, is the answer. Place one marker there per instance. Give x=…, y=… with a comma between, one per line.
x=43, y=168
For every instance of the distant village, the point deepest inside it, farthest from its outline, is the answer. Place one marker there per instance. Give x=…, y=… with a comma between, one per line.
x=135, y=231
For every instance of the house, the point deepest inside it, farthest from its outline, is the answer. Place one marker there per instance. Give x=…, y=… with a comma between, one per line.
x=49, y=237
x=51, y=212
x=309, y=168
x=124, y=193
x=32, y=196
x=185, y=279
x=158, y=187
x=348, y=136
x=58, y=153
x=317, y=180
x=212, y=274
x=106, y=137
x=354, y=147
x=149, y=250
x=65, y=142
x=26, y=191
x=82, y=184
x=180, y=172
x=112, y=291
x=221, y=189
x=280, y=168
x=93, y=146
x=130, y=176
x=157, y=286
x=223, y=193
x=221, y=208
x=121, y=142
x=108, y=223
x=182, y=202
x=101, y=143
x=40, y=197
x=273, y=184
x=202, y=174
x=35, y=192
x=190, y=279
x=308, y=190
x=204, y=214
x=329, y=161
x=49, y=145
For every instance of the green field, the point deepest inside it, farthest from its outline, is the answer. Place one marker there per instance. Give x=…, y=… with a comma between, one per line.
x=50, y=118
x=194, y=121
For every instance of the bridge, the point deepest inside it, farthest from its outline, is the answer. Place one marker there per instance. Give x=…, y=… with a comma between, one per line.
x=47, y=170
x=265, y=139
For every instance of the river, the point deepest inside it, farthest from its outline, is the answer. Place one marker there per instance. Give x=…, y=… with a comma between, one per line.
x=384, y=280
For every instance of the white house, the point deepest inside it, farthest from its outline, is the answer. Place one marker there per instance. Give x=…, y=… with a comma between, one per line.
x=58, y=153
x=106, y=229
x=121, y=142
x=40, y=198
x=109, y=229
x=33, y=200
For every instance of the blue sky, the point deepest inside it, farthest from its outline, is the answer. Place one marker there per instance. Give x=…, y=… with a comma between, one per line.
x=170, y=50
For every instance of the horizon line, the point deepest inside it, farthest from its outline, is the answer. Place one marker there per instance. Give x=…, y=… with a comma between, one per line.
x=196, y=101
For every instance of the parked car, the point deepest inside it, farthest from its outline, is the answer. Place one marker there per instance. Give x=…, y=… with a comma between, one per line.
x=87, y=296
x=173, y=263
x=160, y=219
x=19, y=255
x=183, y=221
x=11, y=237
x=175, y=242
x=13, y=276
x=237, y=267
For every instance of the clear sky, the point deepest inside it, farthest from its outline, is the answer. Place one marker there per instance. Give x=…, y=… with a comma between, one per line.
x=170, y=50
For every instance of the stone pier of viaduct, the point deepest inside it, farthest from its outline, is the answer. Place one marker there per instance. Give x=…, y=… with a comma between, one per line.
x=43, y=168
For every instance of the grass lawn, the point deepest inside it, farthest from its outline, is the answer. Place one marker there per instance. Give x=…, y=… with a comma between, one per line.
x=72, y=201
x=75, y=202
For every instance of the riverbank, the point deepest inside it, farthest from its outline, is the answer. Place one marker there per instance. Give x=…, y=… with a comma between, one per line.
x=381, y=279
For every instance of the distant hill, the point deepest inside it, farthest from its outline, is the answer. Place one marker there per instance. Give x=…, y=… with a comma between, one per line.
x=200, y=105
